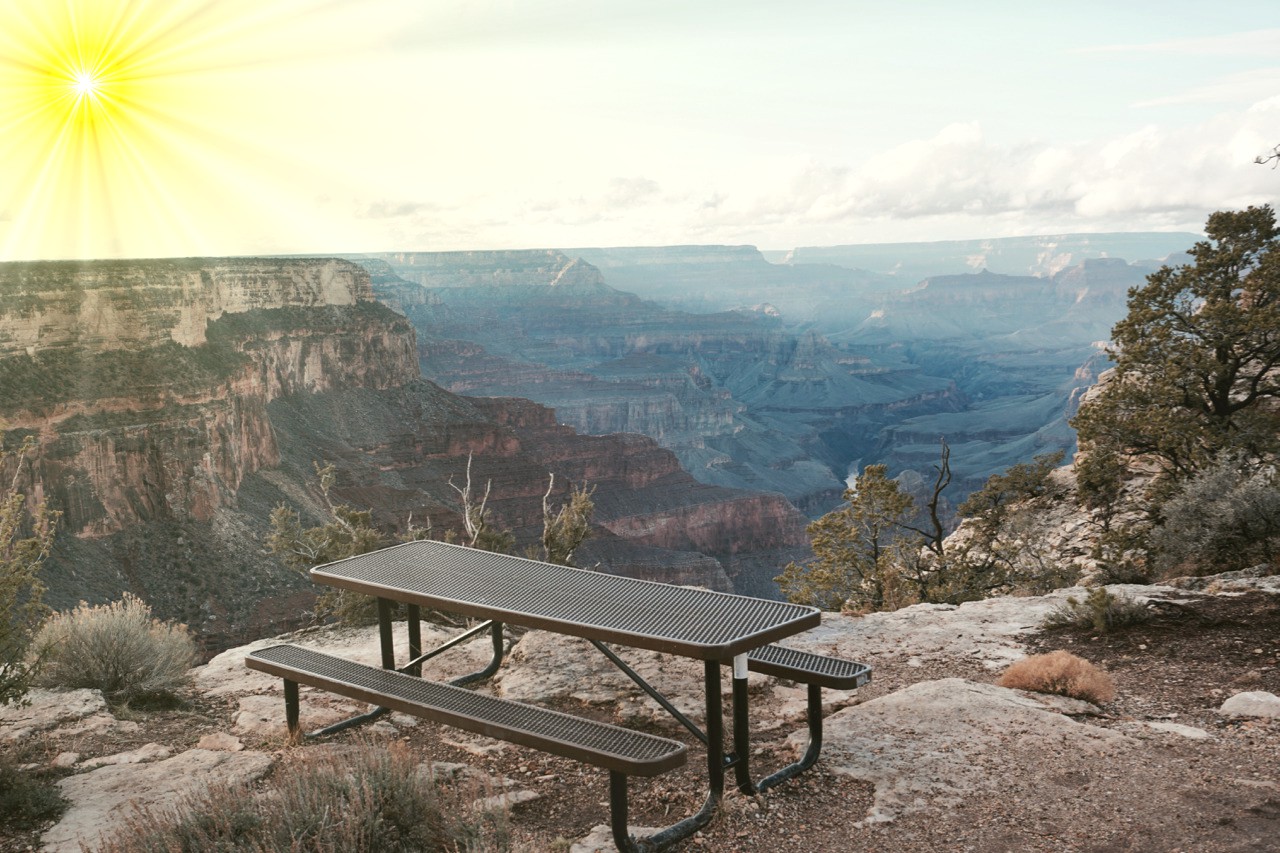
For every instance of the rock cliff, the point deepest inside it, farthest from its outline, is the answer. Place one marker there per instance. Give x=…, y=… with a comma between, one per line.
x=173, y=418
x=742, y=401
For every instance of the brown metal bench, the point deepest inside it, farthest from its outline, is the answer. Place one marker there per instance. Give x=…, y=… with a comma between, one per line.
x=623, y=752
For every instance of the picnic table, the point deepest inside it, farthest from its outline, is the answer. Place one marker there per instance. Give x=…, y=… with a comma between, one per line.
x=716, y=628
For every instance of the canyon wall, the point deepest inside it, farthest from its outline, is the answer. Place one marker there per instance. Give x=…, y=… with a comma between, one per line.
x=127, y=304
x=178, y=403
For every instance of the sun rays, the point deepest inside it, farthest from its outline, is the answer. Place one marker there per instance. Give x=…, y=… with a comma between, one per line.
x=138, y=127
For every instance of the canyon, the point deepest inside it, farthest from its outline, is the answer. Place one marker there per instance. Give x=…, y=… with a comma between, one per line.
x=177, y=403
x=787, y=376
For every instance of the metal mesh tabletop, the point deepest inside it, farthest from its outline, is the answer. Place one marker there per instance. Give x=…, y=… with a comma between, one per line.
x=693, y=622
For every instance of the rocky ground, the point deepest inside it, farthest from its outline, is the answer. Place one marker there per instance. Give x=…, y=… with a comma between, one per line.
x=931, y=756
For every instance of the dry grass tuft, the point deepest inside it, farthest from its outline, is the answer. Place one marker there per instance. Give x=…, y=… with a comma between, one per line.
x=1063, y=674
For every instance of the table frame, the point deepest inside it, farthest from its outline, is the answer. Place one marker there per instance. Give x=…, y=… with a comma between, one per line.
x=343, y=575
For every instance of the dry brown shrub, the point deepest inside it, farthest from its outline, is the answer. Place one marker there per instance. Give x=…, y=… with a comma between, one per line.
x=1061, y=673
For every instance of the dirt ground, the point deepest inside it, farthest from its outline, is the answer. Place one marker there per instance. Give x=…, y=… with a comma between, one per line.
x=1164, y=793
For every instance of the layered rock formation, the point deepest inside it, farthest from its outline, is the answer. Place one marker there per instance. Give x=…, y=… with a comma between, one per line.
x=1010, y=328
x=173, y=418
x=742, y=401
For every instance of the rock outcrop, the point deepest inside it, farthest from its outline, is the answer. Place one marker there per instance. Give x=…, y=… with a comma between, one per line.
x=177, y=403
x=930, y=755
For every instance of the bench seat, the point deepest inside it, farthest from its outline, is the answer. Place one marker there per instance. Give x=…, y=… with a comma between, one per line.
x=807, y=668
x=600, y=744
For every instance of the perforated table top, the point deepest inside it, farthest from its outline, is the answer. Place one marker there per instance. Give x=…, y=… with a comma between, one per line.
x=695, y=623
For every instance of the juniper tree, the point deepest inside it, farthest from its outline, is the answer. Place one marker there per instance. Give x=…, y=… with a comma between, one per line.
x=1196, y=357
x=855, y=548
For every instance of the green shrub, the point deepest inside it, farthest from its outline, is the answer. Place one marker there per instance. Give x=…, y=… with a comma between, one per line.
x=1223, y=519
x=1062, y=674
x=27, y=799
x=21, y=556
x=1100, y=611
x=367, y=800
x=117, y=648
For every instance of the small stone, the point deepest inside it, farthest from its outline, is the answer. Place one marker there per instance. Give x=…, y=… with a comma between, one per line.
x=66, y=759
x=1189, y=732
x=221, y=742
x=506, y=800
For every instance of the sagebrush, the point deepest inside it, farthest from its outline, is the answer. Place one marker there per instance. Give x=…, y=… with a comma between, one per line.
x=118, y=648
x=373, y=798
x=1100, y=610
x=1222, y=519
x=1062, y=674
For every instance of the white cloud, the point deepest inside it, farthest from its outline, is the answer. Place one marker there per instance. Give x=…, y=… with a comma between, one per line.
x=1249, y=43
x=1251, y=85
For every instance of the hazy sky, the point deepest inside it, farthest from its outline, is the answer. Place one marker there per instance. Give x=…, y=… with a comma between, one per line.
x=363, y=125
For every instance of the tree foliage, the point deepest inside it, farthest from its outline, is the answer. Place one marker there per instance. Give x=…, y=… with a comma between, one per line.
x=855, y=549
x=346, y=533
x=25, y=541
x=1196, y=357
x=877, y=553
x=567, y=528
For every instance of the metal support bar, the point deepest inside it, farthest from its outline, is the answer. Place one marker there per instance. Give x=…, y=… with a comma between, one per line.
x=652, y=691
x=443, y=647
x=384, y=634
x=350, y=722
x=662, y=839
x=740, y=760
x=496, y=630
x=291, y=706
x=388, y=662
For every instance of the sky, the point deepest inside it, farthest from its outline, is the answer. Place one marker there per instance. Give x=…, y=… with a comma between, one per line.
x=139, y=128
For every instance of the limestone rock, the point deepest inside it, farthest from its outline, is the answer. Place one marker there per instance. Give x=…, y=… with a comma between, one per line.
x=1189, y=732
x=601, y=839
x=262, y=717
x=102, y=798
x=932, y=743
x=147, y=752
x=49, y=709
x=65, y=760
x=220, y=741
x=1255, y=703
x=503, y=801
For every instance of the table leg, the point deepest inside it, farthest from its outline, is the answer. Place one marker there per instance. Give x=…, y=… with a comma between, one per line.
x=384, y=634
x=715, y=788
x=741, y=728
x=415, y=640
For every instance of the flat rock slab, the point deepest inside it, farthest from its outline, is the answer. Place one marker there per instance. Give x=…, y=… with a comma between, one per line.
x=50, y=709
x=545, y=667
x=102, y=799
x=1255, y=703
x=601, y=839
x=226, y=673
x=931, y=744
x=989, y=632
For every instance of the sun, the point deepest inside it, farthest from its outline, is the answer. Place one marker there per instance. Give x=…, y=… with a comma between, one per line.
x=86, y=84
x=131, y=127
x=146, y=128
